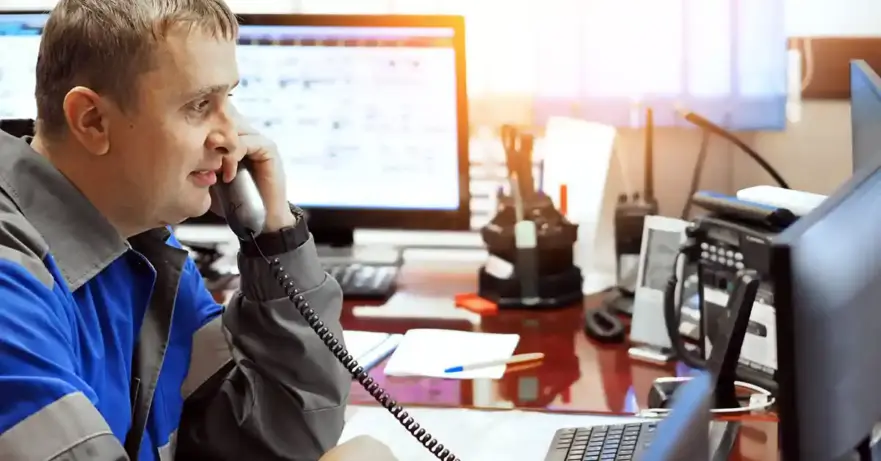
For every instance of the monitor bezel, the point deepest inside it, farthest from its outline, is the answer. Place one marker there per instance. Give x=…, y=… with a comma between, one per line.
x=781, y=270
x=332, y=219
x=860, y=69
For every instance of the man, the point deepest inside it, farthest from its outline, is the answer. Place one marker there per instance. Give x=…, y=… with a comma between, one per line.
x=110, y=346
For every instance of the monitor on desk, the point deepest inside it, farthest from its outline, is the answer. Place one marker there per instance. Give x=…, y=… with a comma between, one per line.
x=369, y=113
x=20, y=42
x=865, y=114
x=826, y=273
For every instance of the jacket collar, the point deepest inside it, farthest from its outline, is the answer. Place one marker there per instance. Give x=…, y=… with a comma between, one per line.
x=81, y=240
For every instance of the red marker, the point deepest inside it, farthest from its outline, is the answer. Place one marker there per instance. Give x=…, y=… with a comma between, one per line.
x=564, y=199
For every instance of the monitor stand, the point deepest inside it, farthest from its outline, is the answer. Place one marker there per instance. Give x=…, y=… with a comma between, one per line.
x=337, y=246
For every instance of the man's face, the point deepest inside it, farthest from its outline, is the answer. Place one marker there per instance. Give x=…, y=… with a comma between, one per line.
x=171, y=144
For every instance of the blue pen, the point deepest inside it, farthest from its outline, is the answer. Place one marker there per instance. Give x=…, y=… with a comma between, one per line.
x=519, y=358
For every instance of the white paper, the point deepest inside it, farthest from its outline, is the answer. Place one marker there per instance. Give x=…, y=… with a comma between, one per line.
x=428, y=352
x=359, y=343
x=579, y=153
x=471, y=435
x=403, y=305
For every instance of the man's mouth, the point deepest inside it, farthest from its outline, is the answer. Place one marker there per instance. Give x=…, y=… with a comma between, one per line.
x=204, y=178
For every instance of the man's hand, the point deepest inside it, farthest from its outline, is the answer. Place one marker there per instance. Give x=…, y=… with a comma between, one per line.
x=268, y=172
x=360, y=448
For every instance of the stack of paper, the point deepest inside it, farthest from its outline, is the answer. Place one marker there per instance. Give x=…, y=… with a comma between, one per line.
x=428, y=352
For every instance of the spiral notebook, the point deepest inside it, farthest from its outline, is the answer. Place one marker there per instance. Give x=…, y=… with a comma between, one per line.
x=369, y=347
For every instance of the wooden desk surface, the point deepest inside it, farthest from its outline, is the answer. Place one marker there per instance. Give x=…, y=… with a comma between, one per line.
x=577, y=374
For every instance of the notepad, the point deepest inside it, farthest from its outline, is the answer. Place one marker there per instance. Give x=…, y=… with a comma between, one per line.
x=428, y=352
x=369, y=347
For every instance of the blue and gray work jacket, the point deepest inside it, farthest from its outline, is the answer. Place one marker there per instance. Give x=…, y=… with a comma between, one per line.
x=113, y=349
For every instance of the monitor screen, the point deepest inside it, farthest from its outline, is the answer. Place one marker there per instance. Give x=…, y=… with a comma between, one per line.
x=364, y=117
x=20, y=42
x=865, y=113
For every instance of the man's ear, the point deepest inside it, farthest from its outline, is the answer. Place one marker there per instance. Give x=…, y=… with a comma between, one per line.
x=87, y=119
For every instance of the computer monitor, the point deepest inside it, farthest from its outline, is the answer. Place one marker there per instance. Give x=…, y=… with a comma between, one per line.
x=369, y=113
x=826, y=274
x=865, y=114
x=20, y=42
x=685, y=432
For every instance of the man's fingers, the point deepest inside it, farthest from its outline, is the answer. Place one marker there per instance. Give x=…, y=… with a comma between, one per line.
x=230, y=166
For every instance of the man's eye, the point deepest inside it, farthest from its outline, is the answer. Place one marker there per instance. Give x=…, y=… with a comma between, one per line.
x=201, y=106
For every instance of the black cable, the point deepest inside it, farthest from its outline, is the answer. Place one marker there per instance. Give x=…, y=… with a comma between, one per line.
x=673, y=314
x=696, y=173
x=718, y=130
x=351, y=365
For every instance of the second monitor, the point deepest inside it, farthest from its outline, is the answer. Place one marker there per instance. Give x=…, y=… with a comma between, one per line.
x=865, y=114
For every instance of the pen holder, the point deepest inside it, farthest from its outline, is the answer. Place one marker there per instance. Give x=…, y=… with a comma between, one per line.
x=558, y=279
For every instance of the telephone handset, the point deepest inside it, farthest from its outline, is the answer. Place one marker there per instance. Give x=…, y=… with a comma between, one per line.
x=246, y=215
x=241, y=201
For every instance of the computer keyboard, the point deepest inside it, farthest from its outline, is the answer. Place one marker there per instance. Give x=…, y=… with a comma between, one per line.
x=364, y=281
x=620, y=442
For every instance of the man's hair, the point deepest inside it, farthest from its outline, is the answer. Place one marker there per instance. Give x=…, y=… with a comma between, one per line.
x=106, y=45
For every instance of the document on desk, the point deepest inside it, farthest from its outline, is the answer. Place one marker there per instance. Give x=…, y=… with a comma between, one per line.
x=370, y=347
x=428, y=352
x=471, y=435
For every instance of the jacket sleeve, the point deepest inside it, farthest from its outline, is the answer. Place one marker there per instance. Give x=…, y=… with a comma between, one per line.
x=283, y=394
x=46, y=411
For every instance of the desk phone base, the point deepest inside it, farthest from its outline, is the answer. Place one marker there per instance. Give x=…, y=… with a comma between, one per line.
x=364, y=281
x=620, y=442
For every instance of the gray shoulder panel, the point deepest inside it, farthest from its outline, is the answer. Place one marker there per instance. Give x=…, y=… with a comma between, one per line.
x=21, y=243
x=104, y=447
x=68, y=429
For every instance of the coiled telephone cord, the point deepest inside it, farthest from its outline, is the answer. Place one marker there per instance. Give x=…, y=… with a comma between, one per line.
x=357, y=371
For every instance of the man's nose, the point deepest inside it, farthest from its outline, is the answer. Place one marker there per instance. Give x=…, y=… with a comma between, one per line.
x=223, y=142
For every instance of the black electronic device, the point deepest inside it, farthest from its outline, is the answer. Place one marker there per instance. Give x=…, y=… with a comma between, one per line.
x=246, y=214
x=687, y=433
x=865, y=114
x=727, y=247
x=730, y=332
x=412, y=171
x=558, y=279
x=827, y=286
x=718, y=251
x=630, y=214
x=602, y=323
x=365, y=281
